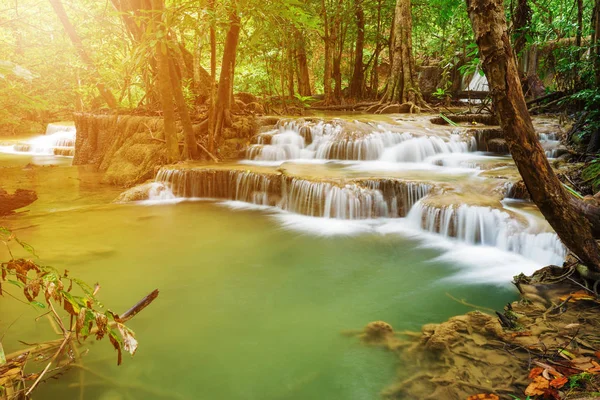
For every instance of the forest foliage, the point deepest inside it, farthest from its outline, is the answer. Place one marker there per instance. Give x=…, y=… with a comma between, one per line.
x=274, y=36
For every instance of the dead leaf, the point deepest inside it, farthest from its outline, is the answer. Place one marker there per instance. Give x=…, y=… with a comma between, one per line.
x=483, y=396
x=559, y=382
x=577, y=296
x=537, y=371
x=537, y=387
x=582, y=363
x=129, y=343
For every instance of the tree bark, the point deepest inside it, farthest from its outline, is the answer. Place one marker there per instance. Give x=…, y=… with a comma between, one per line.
x=403, y=86
x=223, y=102
x=489, y=25
x=301, y=61
x=190, y=149
x=213, y=77
x=358, y=75
x=327, y=57
x=165, y=88
x=76, y=40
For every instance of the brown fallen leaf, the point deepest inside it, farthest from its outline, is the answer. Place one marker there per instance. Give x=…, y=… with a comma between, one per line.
x=483, y=396
x=559, y=382
x=577, y=296
x=537, y=371
x=537, y=387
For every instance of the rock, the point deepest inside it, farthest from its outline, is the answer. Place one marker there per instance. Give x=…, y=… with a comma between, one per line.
x=267, y=121
x=19, y=199
x=498, y=146
x=429, y=77
x=377, y=331
x=255, y=107
x=141, y=192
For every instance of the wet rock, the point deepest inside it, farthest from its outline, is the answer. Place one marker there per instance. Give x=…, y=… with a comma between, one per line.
x=141, y=192
x=497, y=146
x=377, y=332
x=473, y=119
x=19, y=199
x=518, y=190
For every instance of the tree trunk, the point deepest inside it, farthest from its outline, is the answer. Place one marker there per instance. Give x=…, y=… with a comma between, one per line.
x=358, y=75
x=223, y=102
x=290, y=72
x=489, y=25
x=338, y=48
x=328, y=53
x=87, y=60
x=403, y=86
x=213, y=78
x=301, y=61
x=164, y=83
x=190, y=149
x=521, y=23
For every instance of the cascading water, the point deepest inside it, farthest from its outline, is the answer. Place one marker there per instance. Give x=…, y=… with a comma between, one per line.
x=371, y=196
x=59, y=140
x=488, y=226
x=360, y=199
x=330, y=141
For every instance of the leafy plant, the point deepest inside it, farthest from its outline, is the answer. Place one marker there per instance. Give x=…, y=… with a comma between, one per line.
x=44, y=287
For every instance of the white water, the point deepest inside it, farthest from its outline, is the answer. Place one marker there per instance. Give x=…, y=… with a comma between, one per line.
x=492, y=243
x=59, y=140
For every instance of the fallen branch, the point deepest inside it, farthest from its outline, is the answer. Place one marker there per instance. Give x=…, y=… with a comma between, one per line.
x=145, y=302
x=215, y=159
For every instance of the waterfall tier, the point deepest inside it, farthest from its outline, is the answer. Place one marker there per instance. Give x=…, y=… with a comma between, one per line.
x=359, y=141
x=330, y=198
x=478, y=225
x=59, y=140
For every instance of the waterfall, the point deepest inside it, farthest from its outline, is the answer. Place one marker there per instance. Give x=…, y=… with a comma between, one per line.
x=59, y=140
x=330, y=141
x=360, y=199
x=477, y=225
x=421, y=148
x=478, y=83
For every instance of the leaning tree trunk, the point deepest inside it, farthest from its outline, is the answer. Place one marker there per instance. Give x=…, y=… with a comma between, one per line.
x=403, y=85
x=222, y=109
x=489, y=25
x=358, y=76
x=87, y=60
x=164, y=82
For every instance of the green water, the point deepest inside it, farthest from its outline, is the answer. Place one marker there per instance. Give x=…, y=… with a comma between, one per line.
x=247, y=309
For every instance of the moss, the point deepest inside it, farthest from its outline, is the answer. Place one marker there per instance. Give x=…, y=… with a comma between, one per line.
x=591, y=174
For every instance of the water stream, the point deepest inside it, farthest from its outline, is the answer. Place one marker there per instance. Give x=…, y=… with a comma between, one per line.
x=262, y=264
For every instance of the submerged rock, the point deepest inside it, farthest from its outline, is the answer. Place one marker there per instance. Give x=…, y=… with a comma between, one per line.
x=19, y=199
x=145, y=191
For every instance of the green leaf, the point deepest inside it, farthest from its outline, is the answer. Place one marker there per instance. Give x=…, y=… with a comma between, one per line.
x=2, y=356
x=37, y=304
x=16, y=283
x=448, y=120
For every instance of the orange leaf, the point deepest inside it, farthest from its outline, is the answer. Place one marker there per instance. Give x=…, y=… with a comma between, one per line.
x=483, y=396
x=537, y=371
x=537, y=387
x=579, y=295
x=559, y=382
x=597, y=353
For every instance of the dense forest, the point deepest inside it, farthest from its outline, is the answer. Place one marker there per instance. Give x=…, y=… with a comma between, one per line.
x=424, y=136
x=136, y=55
